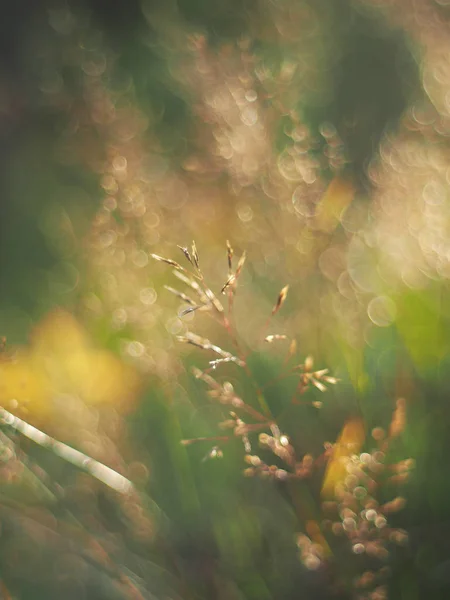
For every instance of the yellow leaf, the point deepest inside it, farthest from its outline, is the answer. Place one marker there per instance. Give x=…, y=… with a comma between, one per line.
x=336, y=199
x=313, y=530
x=349, y=442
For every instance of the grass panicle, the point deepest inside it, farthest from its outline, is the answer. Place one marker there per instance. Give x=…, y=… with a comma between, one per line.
x=353, y=476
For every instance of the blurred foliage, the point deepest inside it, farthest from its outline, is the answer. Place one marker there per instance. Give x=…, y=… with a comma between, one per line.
x=314, y=136
x=62, y=363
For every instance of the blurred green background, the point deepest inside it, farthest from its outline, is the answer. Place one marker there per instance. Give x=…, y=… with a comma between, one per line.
x=312, y=135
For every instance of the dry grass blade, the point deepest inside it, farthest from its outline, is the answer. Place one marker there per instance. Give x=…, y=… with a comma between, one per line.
x=205, y=344
x=204, y=293
x=195, y=256
x=168, y=261
x=180, y=295
x=214, y=301
x=280, y=300
x=105, y=474
x=193, y=285
x=240, y=264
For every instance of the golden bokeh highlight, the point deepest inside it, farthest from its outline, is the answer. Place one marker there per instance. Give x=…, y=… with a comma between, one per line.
x=61, y=364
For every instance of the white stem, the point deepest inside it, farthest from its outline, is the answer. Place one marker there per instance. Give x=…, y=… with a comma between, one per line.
x=111, y=478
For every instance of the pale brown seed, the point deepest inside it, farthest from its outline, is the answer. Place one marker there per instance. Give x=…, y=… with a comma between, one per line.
x=195, y=255
x=240, y=264
x=185, y=251
x=398, y=419
x=275, y=337
x=188, y=310
x=230, y=253
x=231, y=279
x=280, y=300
